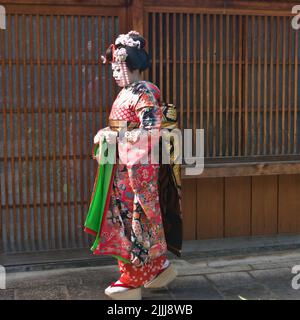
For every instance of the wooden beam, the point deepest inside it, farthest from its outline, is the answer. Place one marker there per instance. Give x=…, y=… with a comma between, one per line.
x=102, y=3
x=64, y=10
x=237, y=4
x=245, y=169
x=238, y=7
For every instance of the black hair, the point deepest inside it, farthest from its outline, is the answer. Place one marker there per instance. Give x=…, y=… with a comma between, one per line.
x=136, y=58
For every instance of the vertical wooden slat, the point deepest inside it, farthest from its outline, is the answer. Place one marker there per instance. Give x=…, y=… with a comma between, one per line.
x=258, y=133
x=277, y=86
x=181, y=69
x=234, y=79
x=210, y=208
x=240, y=86
x=13, y=237
x=18, y=94
x=265, y=85
x=106, y=70
x=33, y=132
x=100, y=69
x=47, y=136
x=123, y=18
x=290, y=86
x=207, y=140
x=252, y=83
x=214, y=80
x=174, y=61
x=53, y=136
x=3, y=133
x=167, y=39
x=114, y=35
x=161, y=77
x=10, y=31
x=233, y=87
x=147, y=32
x=18, y=121
x=227, y=88
x=296, y=79
x=47, y=130
x=26, y=107
x=201, y=73
x=40, y=126
x=194, y=84
x=60, y=133
x=81, y=151
x=93, y=67
x=67, y=117
x=74, y=126
x=283, y=86
x=271, y=85
x=188, y=66
x=87, y=65
x=154, y=48
x=5, y=142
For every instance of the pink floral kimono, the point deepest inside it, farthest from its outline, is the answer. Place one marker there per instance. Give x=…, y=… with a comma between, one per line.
x=133, y=224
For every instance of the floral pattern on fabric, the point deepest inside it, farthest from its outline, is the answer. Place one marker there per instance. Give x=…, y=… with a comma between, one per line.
x=139, y=103
x=132, y=226
x=136, y=277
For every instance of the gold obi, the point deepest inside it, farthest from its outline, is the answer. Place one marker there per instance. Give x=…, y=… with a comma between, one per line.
x=118, y=125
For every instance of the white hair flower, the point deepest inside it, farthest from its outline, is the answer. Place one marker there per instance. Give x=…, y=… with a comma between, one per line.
x=120, y=55
x=133, y=33
x=126, y=40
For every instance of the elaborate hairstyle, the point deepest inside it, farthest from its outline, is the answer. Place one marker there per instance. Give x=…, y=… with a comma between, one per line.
x=129, y=48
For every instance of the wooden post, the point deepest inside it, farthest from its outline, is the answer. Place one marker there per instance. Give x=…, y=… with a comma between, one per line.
x=136, y=16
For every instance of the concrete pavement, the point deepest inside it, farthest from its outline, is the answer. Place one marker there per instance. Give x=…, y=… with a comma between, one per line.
x=244, y=276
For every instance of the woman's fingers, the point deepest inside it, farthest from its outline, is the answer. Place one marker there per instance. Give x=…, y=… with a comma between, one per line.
x=97, y=138
x=100, y=134
x=111, y=136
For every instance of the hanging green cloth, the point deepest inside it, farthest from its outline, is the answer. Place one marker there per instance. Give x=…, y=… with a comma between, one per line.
x=101, y=193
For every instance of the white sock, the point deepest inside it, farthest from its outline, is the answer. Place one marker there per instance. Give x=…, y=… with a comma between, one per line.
x=166, y=264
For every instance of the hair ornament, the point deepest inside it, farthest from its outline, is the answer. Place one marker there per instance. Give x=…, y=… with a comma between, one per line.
x=120, y=55
x=133, y=33
x=127, y=41
x=103, y=59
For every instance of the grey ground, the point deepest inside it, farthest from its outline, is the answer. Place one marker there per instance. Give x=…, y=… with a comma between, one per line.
x=241, y=275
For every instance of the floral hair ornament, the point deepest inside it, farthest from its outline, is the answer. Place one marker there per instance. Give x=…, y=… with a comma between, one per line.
x=120, y=55
x=135, y=33
x=127, y=41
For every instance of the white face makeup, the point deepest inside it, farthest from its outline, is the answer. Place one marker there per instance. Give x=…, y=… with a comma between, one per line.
x=119, y=74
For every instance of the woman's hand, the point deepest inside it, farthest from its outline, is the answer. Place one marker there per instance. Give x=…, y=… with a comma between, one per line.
x=109, y=135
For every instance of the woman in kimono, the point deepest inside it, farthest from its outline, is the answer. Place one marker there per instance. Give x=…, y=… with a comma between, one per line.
x=132, y=227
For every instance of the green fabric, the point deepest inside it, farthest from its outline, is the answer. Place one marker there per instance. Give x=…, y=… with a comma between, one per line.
x=100, y=193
